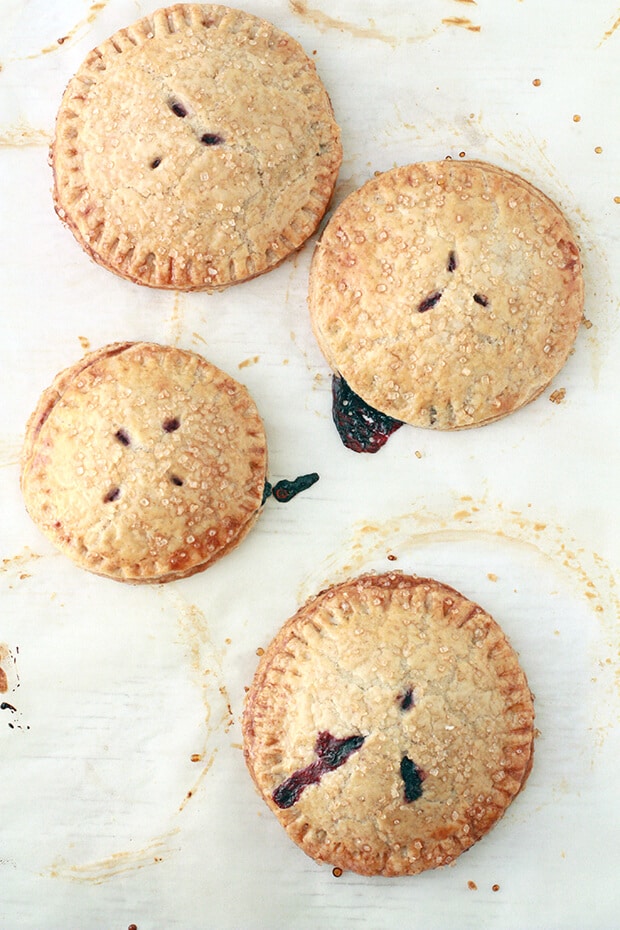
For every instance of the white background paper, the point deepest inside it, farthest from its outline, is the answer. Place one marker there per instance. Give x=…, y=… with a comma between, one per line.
x=124, y=796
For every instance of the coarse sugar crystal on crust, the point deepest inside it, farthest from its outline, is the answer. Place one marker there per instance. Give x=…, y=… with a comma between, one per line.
x=389, y=725
x=194, y=149
x=446, y=294
x=144, y=463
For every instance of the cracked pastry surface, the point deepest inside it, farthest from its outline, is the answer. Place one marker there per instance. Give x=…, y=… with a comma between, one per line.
x=194, y=149
x=447, y=294
x=144, y=463
x=389, y=725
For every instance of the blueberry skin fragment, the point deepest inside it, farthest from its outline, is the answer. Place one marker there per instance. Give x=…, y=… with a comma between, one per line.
x=413, y=777
x=361, y=427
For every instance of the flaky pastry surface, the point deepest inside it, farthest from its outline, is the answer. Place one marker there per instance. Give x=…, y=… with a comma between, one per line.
x=144, y=463
x=428, y=681
x=447, y=294
x=194, y=149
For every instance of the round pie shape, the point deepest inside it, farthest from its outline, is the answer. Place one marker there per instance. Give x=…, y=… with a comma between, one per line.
x=144, y=463
x=194, y=149
x=446, y=294
x=389, y=725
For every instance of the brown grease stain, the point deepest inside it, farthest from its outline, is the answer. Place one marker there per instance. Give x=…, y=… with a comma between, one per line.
x=90, y=17
x=121, y=863
x=249, y=361
x=85, y=343
x=195, y=632
x=462, y=22
x=610, y=32
x=21, y=136
x=324, y=22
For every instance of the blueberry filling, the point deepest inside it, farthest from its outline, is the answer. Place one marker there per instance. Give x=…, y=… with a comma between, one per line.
x=481, y=299
x=361, y=427
x=407, y=700
x=332, y=753
x=176, y=480
x=285, y=490
x=122, y=437
x=413, y=777
x=211, y=138
x=112, y=495
x=169, y=426
x=156, y=163
x=429, y=302
x=178, y=109
x=452, y=262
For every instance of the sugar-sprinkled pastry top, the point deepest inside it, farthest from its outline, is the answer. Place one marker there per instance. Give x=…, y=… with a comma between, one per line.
x=446, y=294
x=194, y=149
x=389, y=725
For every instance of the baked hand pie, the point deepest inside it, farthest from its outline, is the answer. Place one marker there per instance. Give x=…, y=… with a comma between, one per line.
x=144, y=463
x=446, y=294
x=389, y=725
x=194, y=149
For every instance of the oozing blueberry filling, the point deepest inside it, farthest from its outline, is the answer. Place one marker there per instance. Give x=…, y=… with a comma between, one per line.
x=211, y=138
x=176, y=480
x=413, y=777
x=332, y=753
x=361, y=427
x=481, y=299
x=169, y=426
x=407, y=701
x=122, y=437
x=429, y=301
x=177, y=108
x=285, y=490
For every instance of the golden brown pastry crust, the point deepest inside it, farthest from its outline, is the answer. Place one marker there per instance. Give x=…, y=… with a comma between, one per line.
x=144, y=463
x=194, y=149
x=447, y=294
x=418, y=671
